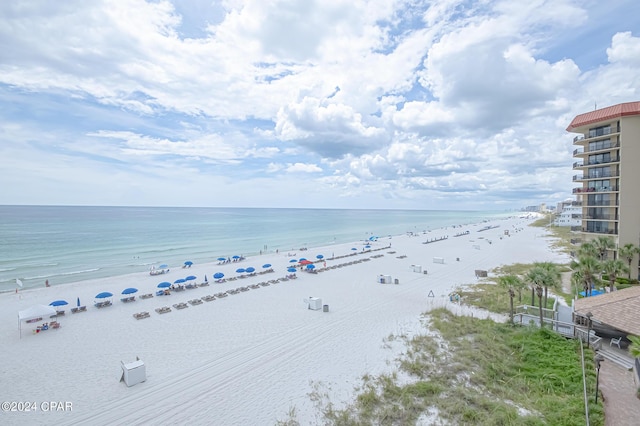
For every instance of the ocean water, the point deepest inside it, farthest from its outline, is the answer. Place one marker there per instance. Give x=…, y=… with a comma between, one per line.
x=68, y=244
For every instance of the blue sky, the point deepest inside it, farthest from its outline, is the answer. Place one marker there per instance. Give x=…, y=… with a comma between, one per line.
x=299, y=103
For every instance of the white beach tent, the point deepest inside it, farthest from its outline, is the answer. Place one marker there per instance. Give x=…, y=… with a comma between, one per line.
x=36, y=311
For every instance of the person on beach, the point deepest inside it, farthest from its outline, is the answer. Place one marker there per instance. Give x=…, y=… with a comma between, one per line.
x=46, y=283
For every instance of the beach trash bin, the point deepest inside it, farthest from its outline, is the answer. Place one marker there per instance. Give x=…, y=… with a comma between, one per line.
x=325, y=308
x=396, y=281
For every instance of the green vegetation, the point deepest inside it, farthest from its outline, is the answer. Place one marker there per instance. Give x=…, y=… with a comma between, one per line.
x=474, y=371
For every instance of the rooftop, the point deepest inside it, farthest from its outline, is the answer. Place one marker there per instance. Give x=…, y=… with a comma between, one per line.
x=618, y=309
x=604, y=114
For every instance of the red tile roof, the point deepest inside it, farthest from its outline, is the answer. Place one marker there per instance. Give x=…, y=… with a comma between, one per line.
x=620, y=110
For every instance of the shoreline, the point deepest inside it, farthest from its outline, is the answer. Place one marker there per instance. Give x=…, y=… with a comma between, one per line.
x=250, y=357
x=121, y=255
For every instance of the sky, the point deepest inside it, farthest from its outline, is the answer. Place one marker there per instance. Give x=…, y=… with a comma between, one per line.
x=386, y=104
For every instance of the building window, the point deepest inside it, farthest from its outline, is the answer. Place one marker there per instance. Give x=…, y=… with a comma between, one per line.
x=600, y=158
x=601, y=144
x=600, y=131
x=597, y=172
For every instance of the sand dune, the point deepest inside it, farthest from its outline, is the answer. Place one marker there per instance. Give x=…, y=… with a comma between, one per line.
x=250, y=357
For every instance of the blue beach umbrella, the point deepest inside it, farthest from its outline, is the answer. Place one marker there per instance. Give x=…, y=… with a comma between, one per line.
x=311, y=266
x=163, y=266
x=250, y=270
x=266, y=265
x=236, y=257
x=188, y=263
x=180, y=281
x=319, y=256
x=58, y=303
x=222, y=258
x=367, y=246
x=301, y=259
x=218, y=275
x=241, y=270
x=191, y=278
x=292, y=270
x=293, y=261
x=129, y=290
x=164, y=284
x=353, y=248
x=103, y=295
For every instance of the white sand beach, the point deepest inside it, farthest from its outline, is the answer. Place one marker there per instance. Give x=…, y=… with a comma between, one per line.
x=248, y=358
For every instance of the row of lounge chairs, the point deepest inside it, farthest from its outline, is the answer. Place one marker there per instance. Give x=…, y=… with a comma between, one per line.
x=141, y=315
x=128, y=299
x=103, y=304
x=78, y=309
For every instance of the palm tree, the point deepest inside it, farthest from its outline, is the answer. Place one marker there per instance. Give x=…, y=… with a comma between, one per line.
x=589, y=268
x=603, y=244
x=634, y=347
x=613, y=268
x=539, y=292
x=626, y=252
x=588, y=249
x=577, y=279
x=510, y=282
x=535, y=276
x=551, y=277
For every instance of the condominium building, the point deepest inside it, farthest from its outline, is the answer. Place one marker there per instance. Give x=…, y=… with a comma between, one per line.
x=568, y=213
x=608, y=166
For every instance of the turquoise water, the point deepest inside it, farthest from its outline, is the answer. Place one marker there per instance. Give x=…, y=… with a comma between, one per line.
x=67, y=244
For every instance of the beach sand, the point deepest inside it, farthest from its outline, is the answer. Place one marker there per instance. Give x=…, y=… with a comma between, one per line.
x=249, y=358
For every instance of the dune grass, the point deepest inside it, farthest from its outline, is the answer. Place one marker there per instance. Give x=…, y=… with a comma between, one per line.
x=470, y=372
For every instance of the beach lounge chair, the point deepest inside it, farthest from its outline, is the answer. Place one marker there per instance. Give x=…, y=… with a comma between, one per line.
x=74, y=310
x=146, y=296
x=82, y=308
x=163, y=310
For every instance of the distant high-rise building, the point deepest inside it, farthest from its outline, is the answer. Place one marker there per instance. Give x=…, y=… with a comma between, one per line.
x=608, y=162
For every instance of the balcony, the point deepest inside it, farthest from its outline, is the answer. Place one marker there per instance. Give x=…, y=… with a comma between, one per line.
x=601, y=217
x=580, y=139
x=591, y=190
x=600, y=203
x=603, y=148
x=576, y=203
x=596, y=176
x=596, y=162
x=601, y=231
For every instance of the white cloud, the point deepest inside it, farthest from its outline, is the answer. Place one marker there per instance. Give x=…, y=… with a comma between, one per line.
x=460, y=102
x=303, y=168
